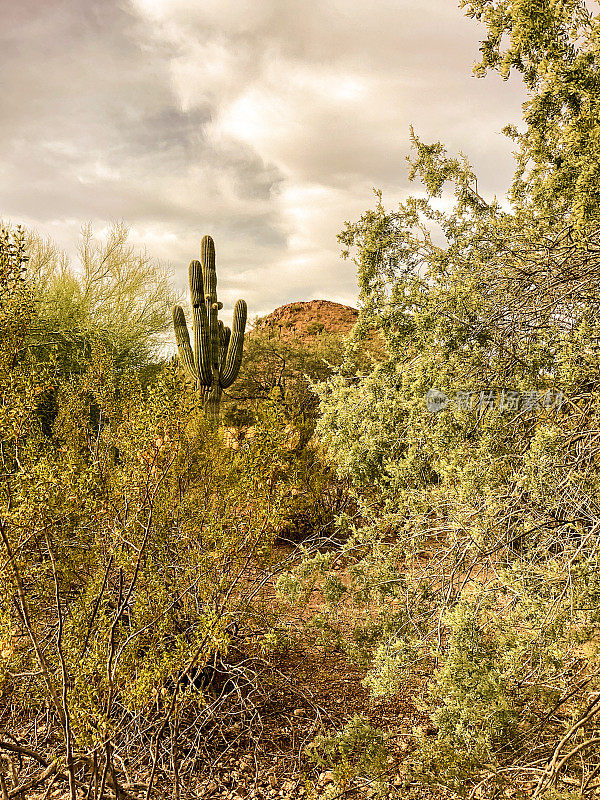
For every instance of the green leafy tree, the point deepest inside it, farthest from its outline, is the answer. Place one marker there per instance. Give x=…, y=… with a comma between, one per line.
x=288, y=366
x=277, y=379
x=481, y=537
x=114, y=295
x=554, y=46
x=115, y=300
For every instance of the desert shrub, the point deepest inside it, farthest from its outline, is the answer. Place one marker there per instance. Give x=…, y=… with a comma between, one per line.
x=314, y=328
x=356, y=751
x=290, y=365
x=478, y=528
x=132, y=539
x=276, y=383
x=131, y=560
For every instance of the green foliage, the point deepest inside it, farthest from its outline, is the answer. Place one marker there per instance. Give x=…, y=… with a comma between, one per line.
x=314, y=328
x=276, y=379
x=114, y=296
x=290, y=366
x=555, y=46
x=131, y=537
x=15, y=299
x=305, y=482
x=20, y=389
x=479, y=523
x=135, y=560
x=358, y=749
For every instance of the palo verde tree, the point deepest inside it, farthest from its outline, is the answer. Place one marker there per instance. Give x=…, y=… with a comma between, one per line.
x=215, y=361
x=113, y=302
x=115, y=295
x=481, y=547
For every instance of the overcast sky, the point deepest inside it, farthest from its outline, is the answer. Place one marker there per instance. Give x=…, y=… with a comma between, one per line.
x=265, y=123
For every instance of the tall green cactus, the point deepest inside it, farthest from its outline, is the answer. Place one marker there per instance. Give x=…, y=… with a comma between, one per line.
x=215, y=361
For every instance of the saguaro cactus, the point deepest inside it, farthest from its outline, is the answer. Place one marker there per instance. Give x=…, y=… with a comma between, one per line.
x=215, y=361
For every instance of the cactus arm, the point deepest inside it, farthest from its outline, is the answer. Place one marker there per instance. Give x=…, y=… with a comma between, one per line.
x=201, y=337
x=225, y=336
x=182, y=338
x=233, y=359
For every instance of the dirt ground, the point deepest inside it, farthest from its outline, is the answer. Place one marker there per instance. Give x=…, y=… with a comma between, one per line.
x=254, y=746
x=309, y=691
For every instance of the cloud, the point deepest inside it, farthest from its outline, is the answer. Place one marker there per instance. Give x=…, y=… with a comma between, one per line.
x=261, y=122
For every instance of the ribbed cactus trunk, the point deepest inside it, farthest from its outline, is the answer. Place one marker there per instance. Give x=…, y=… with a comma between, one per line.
x=212, y=401
x=215, y=361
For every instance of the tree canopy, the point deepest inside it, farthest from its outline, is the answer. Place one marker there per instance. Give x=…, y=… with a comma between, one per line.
x=115, y=295
x=478, y=536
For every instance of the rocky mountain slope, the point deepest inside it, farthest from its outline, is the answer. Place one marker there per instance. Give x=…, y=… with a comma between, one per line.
x=306, y=319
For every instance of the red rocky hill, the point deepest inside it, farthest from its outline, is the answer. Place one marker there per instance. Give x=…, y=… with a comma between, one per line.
x=305, y=319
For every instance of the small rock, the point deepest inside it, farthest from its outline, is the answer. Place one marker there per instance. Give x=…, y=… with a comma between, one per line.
x=325, y=778
x=289, y=786
x=299, y=712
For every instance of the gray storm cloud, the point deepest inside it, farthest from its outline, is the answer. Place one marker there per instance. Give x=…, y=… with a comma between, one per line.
x=263, y=123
